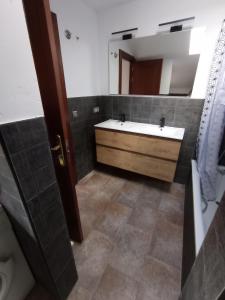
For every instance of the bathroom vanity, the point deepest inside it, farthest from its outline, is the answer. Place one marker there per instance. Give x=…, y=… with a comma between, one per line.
x=141, y=148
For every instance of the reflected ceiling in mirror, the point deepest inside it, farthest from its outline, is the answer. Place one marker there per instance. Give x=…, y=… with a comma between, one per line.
x=163, y=64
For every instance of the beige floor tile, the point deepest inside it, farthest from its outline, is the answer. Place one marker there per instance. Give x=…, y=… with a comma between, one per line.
x=132, y=244
x=94, y=183
x=129, y=194
x=116, y=286
x=160, y=281
x=144, y=218
x=133, y=187
x=172, y=208
x=134, y=240
x=146, y=293
x=114, y=186
x=149, y=197
x=177, y=190
x=92, y=258
x=91, y=209
x=79, y=294
x=82, y=193
x=96, y=202
x=133, y=233
x=126, y=262
x=167, y=243
x=128, y=200
x=88, y=220
x=115, y=216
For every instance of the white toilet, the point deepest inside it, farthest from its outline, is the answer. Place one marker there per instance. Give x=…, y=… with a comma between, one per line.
x=16, y=279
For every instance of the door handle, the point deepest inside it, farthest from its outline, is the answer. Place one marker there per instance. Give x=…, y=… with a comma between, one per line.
x=56, y=148
x=59, y=148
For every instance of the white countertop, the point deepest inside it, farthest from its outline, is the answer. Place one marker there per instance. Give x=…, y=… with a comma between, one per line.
x=142, y=128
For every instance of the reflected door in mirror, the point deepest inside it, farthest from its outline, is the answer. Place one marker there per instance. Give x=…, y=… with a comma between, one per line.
x=146, y=77
x=162, y=64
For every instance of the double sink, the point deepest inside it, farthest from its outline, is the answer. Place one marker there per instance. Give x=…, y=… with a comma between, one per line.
x=146, y=149
x=142, y=128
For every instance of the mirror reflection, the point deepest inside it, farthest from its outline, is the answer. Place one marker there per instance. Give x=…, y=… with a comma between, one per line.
x=163, y=64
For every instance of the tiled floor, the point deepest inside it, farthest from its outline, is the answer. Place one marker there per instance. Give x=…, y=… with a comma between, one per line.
x=133, y=238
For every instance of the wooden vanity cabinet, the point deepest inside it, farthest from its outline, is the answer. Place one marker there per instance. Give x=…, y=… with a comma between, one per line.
x=147, y=155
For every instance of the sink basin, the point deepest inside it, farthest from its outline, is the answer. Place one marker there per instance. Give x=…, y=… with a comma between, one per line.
x=143, y=128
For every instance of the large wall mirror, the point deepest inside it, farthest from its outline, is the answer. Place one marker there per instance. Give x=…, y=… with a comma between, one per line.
x=162, y=64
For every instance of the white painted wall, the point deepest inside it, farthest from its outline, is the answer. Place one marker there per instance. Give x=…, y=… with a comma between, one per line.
x=113, y=57
x=166, y=76
x=183, y=74
x=147, y=14
x=19, y=92
x=80, y=57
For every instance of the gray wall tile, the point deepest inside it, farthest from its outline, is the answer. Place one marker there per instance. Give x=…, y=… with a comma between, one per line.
x=179, y=112
x=106, y=106
x=66, y=279
x=53, y=219
x=44, y=200
x=39, y=208
x=122, y=105
x=141, y=110
x=56, y=255
x=83, y=129
x=158, y=112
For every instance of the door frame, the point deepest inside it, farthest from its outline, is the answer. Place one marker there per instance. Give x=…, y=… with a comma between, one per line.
x=128, y=57
x=49, y=69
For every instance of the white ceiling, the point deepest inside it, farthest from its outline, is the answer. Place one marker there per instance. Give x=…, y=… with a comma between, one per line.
x=167, y=45
x=104, y=4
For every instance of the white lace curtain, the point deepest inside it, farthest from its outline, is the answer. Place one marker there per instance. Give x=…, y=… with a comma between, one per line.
x=212, y=123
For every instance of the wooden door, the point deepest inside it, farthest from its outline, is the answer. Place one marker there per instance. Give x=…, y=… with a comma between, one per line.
x=146, y=77
x=45, y=44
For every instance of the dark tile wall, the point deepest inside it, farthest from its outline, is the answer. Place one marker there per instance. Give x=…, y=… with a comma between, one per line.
x=179, y=112
x=47, y=244
x=83, y=129
x=206, y=280
x=11, y=200
x=10, y=197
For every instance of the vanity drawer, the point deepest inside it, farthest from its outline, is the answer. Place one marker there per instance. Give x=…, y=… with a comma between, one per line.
x=147, y=145
x=138, y=163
